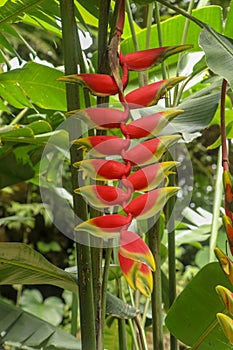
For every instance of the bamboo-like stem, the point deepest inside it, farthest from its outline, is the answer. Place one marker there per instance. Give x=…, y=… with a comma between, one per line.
x=131, y=24
x=74, y=318
x=171, y=255
x=148, y=24
x=154, y=236
x=108, y=254
x=216, y=207
x=225, y=160
x=160, y=37
x=69, y=34
x=183, y=41
x=122, y=335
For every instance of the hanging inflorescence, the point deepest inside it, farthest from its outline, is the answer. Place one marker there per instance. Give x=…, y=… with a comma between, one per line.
x=138, y=171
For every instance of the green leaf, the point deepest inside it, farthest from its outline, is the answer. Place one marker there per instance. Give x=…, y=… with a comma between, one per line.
x=15, y=166
x=192, y=317
x=36, y=82
x=228, y=26
x=18, y=326
x=50, y=309
x=20, y=264
x=218, y=49
x=12, y=9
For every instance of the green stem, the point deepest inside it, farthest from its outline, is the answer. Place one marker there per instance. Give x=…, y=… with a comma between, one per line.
x=131, y=24
x=225, y=160
x=141, y=333
x=183, y=41
x=74, y=318
x=87, y=319
x=122, y=335
x=171, y=254
x=108, y=254
x=160, y=36
x=17, y=119
x=154, y=239
x=148, y=24
x=104, y=7
x=134, y=38
x=216, y=207
x=181, y=12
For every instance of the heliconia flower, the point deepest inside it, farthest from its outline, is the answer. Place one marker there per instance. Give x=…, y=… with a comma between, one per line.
x=101, y=169
x=227, y=183
x=103, y=145
x=150, y=203
x=98, y=84
x=133, y=247
x=149, y=125
x=150, y=94
x=105, y=226
x=226, y=324
x=227, y=298
x=149, y=151
x=226, y=264
x=137, y=275
x=101, y=196
x=145, y=59
x=149, y=177
x=102, y=118
x=229, y=231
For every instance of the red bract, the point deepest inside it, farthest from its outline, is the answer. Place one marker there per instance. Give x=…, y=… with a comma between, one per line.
x=145, y=59
x=229, y=231
x=149, y=125
x=102, y=118
x=101, y=169
x=100, y=196
x=227, y=182
x=150, y=203
x=105, y=226
x=150, y=94
x=133, y=247
x=98, y=84
x=148, y=178
x=103, y=145
x=137, y=275
x=149, y=151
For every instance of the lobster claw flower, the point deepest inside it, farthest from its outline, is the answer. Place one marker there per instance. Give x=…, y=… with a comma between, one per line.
x=229, y=231
x=137, y=275
x=227, y=183
x=227, y=298
x=100, y=196
x=102, y=118
x=226, y=324
x=226, y=264
x=149, y=151
x=108, y=226
x=150, y=94
x=149, y=177
x=103, y=145
x=98, y=84
x=145, y=59
x=101, y=169
x=133, y=247
x=149, y=204
x=149, y=125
